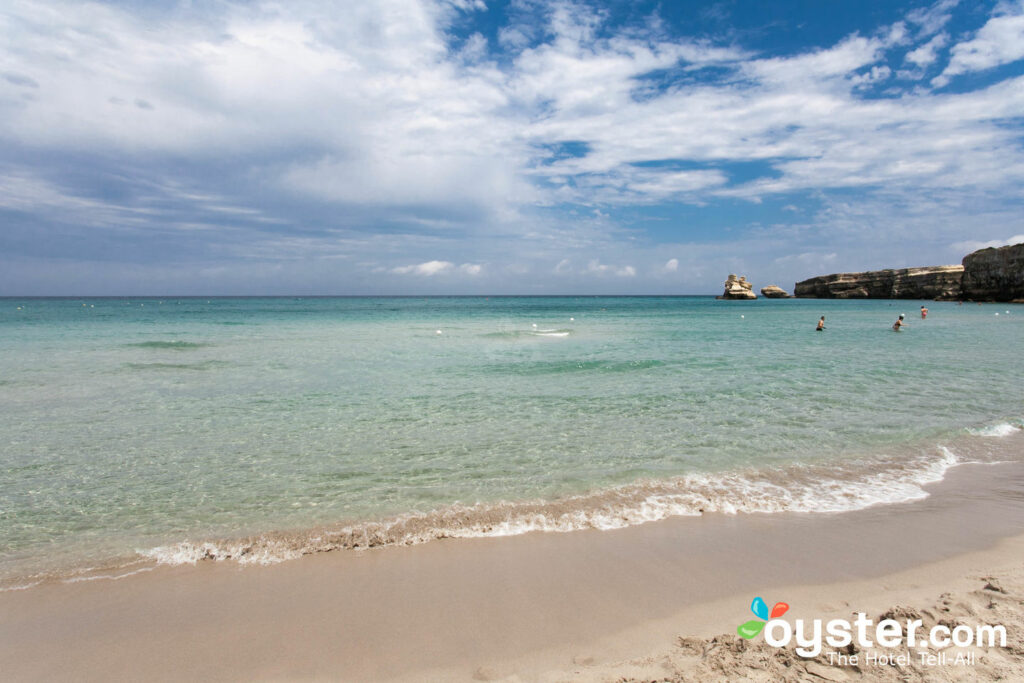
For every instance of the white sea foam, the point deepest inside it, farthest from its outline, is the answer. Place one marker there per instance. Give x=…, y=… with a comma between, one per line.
x=816, y=489
x=998, y=430
x=106, y=577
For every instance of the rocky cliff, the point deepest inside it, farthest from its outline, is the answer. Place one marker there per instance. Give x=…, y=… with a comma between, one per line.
x=994, y=274
x=934, y=282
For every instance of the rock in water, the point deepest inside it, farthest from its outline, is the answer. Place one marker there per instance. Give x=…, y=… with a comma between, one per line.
x=774, y=292
x=738, y=288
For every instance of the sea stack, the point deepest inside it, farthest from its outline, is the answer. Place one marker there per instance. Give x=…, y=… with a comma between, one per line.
x=738, y=288
x=774, y=292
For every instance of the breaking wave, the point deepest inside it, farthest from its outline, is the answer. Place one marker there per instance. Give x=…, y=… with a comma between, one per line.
x=794, y=488
x=997, y=430
x=172, y=345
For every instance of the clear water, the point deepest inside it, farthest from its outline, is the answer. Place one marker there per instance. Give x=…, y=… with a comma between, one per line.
x=129, y=424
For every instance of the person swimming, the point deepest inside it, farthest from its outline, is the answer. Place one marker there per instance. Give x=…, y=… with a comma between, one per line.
x=924, y=313
x=821, y=324
x=899, y=324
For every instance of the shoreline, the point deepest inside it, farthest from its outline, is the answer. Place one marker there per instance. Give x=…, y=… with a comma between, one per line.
x=531, y=605
x=895, y=478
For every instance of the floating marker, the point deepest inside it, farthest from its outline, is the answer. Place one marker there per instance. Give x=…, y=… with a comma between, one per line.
x=571, y=319
x=743, y=316
x=535, y=324
x=438, y=332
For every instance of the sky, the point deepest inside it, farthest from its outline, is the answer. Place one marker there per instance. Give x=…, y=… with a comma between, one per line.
x=512, y=147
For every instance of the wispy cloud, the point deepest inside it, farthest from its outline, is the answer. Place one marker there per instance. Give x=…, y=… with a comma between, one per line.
x=1000, y=41
x=564, y=142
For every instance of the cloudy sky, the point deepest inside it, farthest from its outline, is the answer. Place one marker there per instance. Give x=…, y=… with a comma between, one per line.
x=481, y=147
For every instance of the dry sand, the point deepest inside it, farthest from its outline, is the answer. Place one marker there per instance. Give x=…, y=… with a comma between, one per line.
x=655, y=602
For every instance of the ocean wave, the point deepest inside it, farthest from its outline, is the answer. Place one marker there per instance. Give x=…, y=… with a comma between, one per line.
x=526, y=334
x=997, y=430
x=571, y=366
x=172, y=345
x=205, y=365
x=795, y=488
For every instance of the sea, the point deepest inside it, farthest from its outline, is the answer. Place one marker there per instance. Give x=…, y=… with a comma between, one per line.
x=136, y=432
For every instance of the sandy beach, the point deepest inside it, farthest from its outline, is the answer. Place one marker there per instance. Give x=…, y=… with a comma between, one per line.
x=521, y=340
x=657, y=601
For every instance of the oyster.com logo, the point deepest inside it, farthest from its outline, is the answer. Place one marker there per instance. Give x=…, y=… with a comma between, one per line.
x=875, y=639
x=760, y=609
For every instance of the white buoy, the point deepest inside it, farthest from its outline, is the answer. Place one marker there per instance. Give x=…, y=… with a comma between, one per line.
x=743, y=316
x=572, y=319
x=997, y=314
x=535, y=324
x=438, y=332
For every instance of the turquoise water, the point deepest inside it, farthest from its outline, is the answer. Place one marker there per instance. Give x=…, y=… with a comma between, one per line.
x=175, y=427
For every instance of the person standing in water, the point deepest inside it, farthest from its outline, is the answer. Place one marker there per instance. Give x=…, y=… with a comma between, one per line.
x=821, y=324
x=899, y=324
x=924, y=313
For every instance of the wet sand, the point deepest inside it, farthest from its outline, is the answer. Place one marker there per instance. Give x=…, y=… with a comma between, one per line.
x=591, y=605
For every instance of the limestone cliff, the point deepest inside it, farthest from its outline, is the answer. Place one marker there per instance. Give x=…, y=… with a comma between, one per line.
x=994, y=274
x=933, y=282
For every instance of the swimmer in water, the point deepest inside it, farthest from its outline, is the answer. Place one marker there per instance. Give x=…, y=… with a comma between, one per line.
x=924, y=313
x=899, y=324
x=821, y=324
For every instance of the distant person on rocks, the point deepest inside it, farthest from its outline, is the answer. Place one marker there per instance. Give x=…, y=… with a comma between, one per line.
x=821, y=324
x=924, y=313
x=899, y=324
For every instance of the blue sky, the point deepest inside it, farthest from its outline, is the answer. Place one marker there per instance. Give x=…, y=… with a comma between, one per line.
x=525, y=146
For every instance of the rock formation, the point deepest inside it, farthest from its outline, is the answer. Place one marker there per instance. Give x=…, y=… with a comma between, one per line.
x=738, y=288
x=994, y=274
x=933, y=282
x=774, y=292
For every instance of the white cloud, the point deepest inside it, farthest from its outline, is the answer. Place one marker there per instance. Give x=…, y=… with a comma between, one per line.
x=595, y=267
x=366, y=112
x=928, y=53
x=931, y=20
x=807, y=258
x=971, y=245
x=1000, y=41
x=428, y=269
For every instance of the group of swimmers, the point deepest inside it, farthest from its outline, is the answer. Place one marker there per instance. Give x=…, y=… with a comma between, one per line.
x=896, y=326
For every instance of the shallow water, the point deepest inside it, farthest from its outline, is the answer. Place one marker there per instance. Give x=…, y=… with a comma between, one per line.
x=185, y=428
